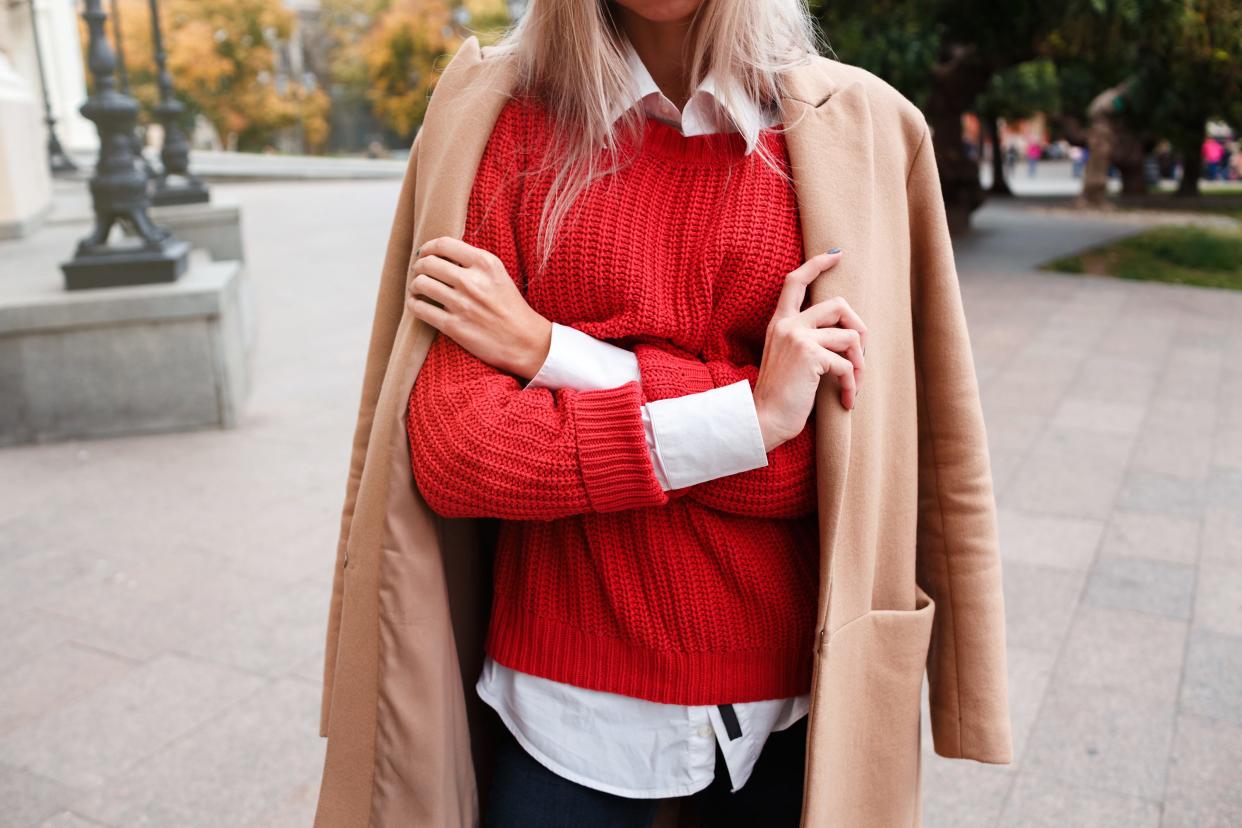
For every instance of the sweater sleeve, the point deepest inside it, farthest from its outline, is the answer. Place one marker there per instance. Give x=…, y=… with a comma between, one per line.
x=483, y=446
x=784, y=488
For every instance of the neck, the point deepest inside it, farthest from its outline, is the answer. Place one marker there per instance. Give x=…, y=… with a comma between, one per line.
x=661, y=45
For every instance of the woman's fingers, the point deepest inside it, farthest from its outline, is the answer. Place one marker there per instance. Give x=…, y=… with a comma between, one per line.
x=843, y=370
x=424, y=285
x=794, y=290
x=458, y=251
x=835, y=311
x=450, y=273
x=422, y=309
x=843, y=341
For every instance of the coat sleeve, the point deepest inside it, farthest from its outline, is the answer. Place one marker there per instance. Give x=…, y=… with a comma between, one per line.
x=388, y=307
x=958, y=556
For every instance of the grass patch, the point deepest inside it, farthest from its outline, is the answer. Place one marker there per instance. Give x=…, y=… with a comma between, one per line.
x=1182, y=255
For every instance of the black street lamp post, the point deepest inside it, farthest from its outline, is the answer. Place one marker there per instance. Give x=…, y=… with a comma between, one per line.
x=185, y=188
x=57, y=158
x=122, y=72
x=118, y=187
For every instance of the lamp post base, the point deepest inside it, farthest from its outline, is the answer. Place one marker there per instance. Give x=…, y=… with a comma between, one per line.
x=192, y=191
x=111, y=267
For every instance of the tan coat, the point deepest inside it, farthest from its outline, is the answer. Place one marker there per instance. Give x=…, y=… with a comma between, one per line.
x=910, y=570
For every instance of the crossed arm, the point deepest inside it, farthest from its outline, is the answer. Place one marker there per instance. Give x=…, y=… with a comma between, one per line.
x=483, y=445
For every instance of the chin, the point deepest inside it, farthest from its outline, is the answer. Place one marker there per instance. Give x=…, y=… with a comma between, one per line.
x=661, y=11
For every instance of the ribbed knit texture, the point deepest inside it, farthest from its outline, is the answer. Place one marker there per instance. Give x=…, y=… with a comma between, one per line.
x=703, y=595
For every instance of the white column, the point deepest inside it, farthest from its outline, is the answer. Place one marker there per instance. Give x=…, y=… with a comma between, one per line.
x=25, y=182
x=62, y=64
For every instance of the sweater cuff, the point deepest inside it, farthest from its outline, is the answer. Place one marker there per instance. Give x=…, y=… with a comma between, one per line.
x=666, y=375
x=612, y=450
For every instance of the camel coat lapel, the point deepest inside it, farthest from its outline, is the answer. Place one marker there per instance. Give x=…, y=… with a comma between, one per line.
x=910, y=578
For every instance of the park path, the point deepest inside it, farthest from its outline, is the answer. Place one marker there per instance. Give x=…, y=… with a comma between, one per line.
x=162, y=599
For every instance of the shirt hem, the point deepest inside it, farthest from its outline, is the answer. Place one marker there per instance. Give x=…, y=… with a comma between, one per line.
x=565, y=773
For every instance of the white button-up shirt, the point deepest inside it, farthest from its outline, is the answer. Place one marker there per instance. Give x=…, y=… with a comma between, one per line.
x=607, y=741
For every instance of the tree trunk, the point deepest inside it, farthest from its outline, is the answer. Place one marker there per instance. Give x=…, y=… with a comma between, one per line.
x=956, y=83
x=1101, y=145
x=1191, y=147
x=1129, y=157
x=1000, y=187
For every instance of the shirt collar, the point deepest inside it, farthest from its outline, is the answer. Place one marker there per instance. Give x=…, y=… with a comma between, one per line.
x=705, y=112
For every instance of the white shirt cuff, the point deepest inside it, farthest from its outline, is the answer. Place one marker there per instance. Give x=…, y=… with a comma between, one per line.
x=699, y=437
x=580, y=361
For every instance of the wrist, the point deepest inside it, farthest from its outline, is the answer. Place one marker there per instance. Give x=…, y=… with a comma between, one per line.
x=772, y=436
x=533, y=352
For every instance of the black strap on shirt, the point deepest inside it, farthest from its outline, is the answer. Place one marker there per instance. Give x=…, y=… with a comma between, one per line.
x=732, y=726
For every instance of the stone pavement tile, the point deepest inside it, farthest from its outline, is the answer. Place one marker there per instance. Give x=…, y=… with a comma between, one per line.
x=1177, y=438
x=1192, y=373
x=1203, y=785
x=97, y=736
x=27, y=799
x=1224, y=488
x=1116, y=379
x=250, y=762
x=1104, y=739
x=310, y=669
x=1230, y=399
x=1041, y=801
x=52, y=679
x=1099, y=415
x=26, y=578
x=1227, y=449
x=1124, y=652
x=1031, y=383
x=1222, y=534
x=68, y=819
x=1162, y=493
x=963, y=794
x=1029, y=672
x=293, y=540
x=1039, y=604
x=1151, y=536
x=269, y=637
x=118, y=609
x=1072, y=472
x=1218, y=598
x=1142, y=585
x=1182, y=813
x=1138, y=337
x=1212, y=680
x=27, y=634
x=1058, y=542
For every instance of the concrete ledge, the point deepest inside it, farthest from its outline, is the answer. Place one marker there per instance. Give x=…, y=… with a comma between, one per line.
x=128, y=360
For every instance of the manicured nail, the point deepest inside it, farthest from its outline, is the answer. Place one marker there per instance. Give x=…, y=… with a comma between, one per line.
x=416, y=250
x=834, y=250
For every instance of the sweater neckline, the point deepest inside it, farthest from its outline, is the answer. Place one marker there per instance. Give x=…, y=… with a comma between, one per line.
x=667, y=141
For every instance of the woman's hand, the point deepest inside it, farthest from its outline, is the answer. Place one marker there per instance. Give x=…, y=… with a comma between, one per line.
x=800, y=347
x=479, y=306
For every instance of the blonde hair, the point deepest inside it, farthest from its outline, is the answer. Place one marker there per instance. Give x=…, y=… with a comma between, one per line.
x=570, y=57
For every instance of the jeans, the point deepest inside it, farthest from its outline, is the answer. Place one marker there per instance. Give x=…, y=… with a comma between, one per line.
x=523, y=793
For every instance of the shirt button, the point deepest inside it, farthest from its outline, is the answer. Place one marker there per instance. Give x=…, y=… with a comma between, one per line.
x=705, y=730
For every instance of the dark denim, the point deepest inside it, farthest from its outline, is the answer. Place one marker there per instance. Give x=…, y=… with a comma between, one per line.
x=525, y=794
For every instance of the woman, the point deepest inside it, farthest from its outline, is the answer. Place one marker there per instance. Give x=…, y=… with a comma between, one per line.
x=699, y=587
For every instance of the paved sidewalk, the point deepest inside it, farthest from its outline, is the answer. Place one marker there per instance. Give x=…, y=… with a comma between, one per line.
x=163, y=599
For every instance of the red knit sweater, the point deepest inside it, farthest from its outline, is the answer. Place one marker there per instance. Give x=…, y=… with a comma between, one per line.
x=703, y=595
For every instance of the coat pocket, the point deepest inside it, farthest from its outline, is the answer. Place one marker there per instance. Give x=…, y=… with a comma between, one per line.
x=863, y=768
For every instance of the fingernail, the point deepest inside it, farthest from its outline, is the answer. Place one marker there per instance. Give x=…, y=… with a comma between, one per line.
x=416, y=250
x=834, y=250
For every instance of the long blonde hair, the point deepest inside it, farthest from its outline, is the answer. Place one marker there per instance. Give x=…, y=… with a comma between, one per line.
x=570, y=56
